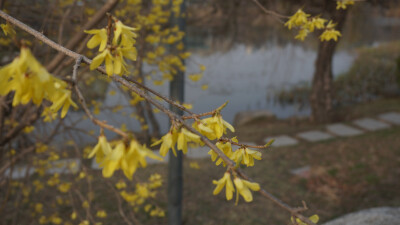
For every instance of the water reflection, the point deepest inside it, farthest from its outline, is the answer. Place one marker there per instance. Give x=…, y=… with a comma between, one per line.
x=246, y=77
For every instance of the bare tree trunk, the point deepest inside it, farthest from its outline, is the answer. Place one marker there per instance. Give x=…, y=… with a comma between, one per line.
x=322, y=94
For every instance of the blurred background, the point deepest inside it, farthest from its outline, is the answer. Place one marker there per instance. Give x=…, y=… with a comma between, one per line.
x=243, y=55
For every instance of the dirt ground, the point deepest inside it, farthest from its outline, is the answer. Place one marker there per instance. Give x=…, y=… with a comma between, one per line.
x=347, y=174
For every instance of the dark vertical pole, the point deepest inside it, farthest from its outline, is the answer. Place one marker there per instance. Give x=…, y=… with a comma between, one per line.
x=175, y=177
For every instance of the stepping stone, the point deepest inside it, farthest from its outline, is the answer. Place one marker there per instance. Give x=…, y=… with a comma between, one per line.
x=340, y=129
x=282, y=140
x=391, y=117
x=303, y=172
x=371, y=124
x=314, y=136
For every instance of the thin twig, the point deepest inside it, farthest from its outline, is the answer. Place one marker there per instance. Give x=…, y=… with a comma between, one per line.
x=120, y=209
x=82, y=100
x=87, y=209
x=223, y=139
x=179, y=106
x=276, y=15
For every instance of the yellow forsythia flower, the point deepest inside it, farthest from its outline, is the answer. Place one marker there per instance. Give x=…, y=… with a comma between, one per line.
x=298, y=19
x=28, y=129
x=85, y=222
x=55, y=220
x=313, y=218
x=99, y=38
x=213, y=127
x=226, y=148
x=202, y=67
x=102, y=149
x=8, y=29
x=195, y=77
x=243, y=188
x=39, y=207
x=73, y=216
x=330, y=34
x=64, y=187
x=30, y=81
x=194, y=165
x=316, y=23
x=114, y=55
x=226, y=182
x=302, y=34
x=126, y=33
x=101, y=214
x=167, y=142
x=342, y=4
x=120, y=185
x=125, y=157
x=186, y=136
x=245, y=156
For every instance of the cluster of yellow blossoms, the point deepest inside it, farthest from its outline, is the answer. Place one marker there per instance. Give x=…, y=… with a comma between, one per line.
x=31, y=81
x=113, y=52
x=142, y=192
x=313, y=218
x=243, y=187
x=308, y=24
x=121, y=155
x=213, y=128
x=154, y=22
x=243, y=155
x=342, y=4
x=175, y=136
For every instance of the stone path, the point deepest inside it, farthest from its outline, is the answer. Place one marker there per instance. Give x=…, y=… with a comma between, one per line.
x=331, y=131
x=357, y=127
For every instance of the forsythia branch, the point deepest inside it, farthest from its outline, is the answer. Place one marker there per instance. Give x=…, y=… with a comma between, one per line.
x=174, y=117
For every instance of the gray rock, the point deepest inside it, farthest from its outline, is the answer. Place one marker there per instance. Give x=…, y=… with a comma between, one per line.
x=243, y=118
x=371, y=124
x=303, y=172
x=314, y=136
x=343, y=130
x=391, y=117
x=374, y=216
